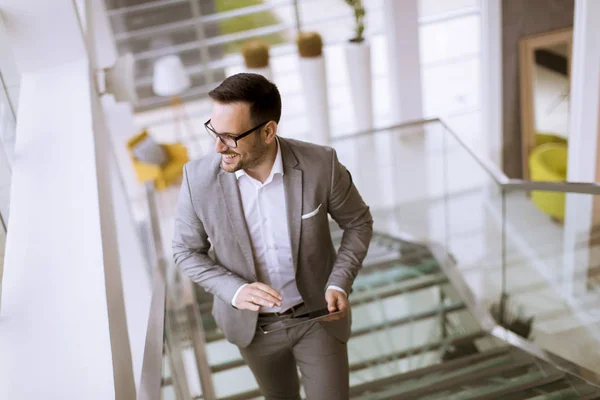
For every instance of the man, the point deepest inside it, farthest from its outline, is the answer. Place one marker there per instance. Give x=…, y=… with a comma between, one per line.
x=262, y=202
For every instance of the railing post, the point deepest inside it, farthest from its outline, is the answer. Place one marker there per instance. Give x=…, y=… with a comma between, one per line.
x=503, y=293
x=150, y=381
x=190, y=305
x=297, y=15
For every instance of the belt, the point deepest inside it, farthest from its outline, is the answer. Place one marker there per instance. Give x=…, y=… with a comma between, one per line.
x=290, y=310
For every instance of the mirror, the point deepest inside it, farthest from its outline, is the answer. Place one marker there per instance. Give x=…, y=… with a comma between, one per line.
x=545, y=70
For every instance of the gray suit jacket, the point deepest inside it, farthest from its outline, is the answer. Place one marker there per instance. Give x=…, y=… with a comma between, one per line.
x=209, y=211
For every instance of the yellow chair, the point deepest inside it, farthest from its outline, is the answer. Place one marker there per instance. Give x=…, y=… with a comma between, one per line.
x=542, y=138
x=548, y=162
x=165, y=175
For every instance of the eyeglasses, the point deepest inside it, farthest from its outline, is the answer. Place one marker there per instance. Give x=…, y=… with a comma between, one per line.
x=227, y=139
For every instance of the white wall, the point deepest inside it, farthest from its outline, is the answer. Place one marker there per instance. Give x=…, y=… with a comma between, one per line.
x=54, y=328
x=63, y=330
x=583, y=143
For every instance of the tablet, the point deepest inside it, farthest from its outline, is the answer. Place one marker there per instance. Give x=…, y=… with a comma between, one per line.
x=297, y=320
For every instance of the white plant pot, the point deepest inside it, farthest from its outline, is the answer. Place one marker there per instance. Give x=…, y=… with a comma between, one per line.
x=358, y=61
x=265, y=71
x=314, y=84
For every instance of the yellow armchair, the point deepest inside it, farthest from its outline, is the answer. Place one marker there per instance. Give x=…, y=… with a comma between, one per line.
x=165, y=175
x=548, y=162
x=541, y=138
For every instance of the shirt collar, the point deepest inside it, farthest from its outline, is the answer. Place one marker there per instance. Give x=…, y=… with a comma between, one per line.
x=277, y=165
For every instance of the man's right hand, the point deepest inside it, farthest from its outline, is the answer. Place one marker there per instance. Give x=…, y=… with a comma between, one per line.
x=255, y=295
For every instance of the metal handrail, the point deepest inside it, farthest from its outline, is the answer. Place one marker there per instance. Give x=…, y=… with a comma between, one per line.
x=162, y=303
x=503, y=181
x=150, y=382
x=190, y=305
x=509, y=184
x=560, y=187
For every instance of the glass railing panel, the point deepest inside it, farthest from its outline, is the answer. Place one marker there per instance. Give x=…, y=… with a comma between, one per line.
x=184, y=343
x=7, y=141
x=395, y=173
x=469, y=213
x=2, y=249
x=408, y=318
x=551, y=271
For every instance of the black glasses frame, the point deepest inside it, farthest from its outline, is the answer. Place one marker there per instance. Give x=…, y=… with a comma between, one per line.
x=225, y=136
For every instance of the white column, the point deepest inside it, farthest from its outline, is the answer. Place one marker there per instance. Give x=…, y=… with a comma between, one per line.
x=314, y=82
x=404, y=66
x=63, y=333
x=491, y=123
x=491, y=78
x=406, y=165
x=583, y=143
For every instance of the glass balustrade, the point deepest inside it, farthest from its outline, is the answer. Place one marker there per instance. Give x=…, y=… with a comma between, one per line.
x=454, y=240
x=552, y=270
x=7, y=141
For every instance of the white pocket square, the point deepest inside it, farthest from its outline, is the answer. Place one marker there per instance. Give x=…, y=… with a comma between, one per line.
x=312, y=213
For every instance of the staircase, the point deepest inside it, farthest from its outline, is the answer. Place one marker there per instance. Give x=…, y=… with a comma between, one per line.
x=412, y=338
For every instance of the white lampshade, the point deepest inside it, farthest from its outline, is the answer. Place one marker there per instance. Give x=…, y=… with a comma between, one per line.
x=170, y=77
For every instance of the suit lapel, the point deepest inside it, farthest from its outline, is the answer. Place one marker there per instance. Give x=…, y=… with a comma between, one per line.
x=235, y=211
x=292, y=180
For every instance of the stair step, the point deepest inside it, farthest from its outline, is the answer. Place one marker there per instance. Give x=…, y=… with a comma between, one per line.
x=367, y=294
x=362, y=296
x=406, y=386
x=592, y=396
x=520, y=388
x=218, y=335
x=252, y=394
x=454, y=364
x=408, y=319
x=377, y=276
x=357, y=366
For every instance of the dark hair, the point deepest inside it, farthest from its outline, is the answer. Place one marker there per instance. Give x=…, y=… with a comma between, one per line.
x=254, y=89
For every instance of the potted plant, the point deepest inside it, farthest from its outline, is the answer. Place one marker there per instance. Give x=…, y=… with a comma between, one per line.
x=357, y=52
x=256, y=58
x=314, y=85
x=358, y=61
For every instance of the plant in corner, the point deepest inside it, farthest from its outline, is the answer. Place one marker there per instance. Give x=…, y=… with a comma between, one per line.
x=358, y=64
x=359, y=18
x=357, y=52
x=512, y=317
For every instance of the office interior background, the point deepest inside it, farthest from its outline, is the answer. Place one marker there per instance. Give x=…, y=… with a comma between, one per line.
x=471, y=128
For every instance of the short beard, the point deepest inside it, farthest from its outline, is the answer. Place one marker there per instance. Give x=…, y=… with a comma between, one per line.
x=259, y=149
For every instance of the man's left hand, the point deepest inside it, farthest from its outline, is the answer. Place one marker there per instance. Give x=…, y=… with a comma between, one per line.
x=336, y=301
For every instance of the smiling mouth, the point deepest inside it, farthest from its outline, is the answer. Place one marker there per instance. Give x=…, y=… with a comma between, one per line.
x=229, y=158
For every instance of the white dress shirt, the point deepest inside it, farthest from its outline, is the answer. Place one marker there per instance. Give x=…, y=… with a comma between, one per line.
x=266, y=218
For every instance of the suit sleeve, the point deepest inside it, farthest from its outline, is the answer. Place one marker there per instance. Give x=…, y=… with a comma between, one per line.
x=190, y=250
x=348, y=209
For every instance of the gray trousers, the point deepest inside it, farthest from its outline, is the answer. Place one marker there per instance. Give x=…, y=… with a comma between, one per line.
x=274, y=359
